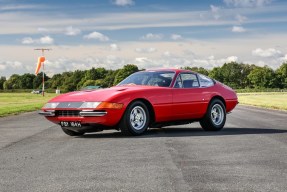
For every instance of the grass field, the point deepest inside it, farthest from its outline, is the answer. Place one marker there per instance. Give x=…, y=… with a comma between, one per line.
x=273, y=100
x=14, y=103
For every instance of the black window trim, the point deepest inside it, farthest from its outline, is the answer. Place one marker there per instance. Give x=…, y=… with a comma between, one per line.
x=196, y=75
x=214, y=82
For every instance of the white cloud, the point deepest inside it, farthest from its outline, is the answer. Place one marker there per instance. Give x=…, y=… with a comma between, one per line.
x=283, y=58
x=231, y=59
x=2, y=67
x=12, y=66
x=96, y=35
x=46, y=40
x=271, y=52
x=146, y=50
x=15, y=22
x=114, y=47
x=247, y=3
x=176, y=37
x=240, y=18
x=152, y=36
x=43, y=30
x=13, y=7
x=124, y=2
x=167, y=54
x=215, y=11
x=70, y=31
x=28, y=40
x=211, y=61
x=238, y=29
x=43, y=40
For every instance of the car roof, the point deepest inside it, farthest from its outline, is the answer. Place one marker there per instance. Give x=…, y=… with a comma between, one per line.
x=170, y=69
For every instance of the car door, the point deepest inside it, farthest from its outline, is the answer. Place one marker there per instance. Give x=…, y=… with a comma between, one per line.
x=187, y=97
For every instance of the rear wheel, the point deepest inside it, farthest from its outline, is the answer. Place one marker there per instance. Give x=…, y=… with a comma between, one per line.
x=136, y=119
x=215, y=116
x=72, y=133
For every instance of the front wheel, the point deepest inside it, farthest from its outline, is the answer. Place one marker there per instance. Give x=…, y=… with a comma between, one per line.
x=215, y=116
x=72, y=133
x=135, y=120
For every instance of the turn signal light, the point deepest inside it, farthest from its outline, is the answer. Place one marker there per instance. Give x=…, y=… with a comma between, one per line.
x=108, y=105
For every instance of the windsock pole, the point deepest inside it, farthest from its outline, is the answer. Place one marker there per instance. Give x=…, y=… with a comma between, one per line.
x=43, y=80
x=43, y=70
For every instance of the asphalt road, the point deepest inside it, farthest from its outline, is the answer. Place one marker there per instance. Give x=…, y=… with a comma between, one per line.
x=250, y=154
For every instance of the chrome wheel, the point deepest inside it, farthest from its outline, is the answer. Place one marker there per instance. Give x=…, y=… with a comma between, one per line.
x=217, y=114
x=138, y=118
x=135, y=120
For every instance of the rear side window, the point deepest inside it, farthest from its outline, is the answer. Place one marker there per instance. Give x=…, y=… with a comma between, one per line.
x=186, y=80
x=205, y=81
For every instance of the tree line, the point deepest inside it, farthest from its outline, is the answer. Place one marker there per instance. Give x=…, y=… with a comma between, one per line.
x=233, y=74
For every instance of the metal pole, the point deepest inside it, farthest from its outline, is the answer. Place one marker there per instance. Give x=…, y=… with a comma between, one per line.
x=43, y=88
x=43, y=80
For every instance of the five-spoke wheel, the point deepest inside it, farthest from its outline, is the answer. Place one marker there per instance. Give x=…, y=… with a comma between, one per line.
x=136, y=119
x=215, y=116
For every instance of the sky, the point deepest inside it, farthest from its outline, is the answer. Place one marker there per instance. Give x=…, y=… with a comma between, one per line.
x=148, y=33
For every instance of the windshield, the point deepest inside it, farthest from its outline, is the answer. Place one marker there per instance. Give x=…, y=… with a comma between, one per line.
x=150, y=78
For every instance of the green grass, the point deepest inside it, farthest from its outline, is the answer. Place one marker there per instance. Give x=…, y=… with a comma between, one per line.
x=15, y=103
x=271, y=100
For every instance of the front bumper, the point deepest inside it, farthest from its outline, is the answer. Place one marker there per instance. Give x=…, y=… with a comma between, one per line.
x=84, y=113
x=104, y=118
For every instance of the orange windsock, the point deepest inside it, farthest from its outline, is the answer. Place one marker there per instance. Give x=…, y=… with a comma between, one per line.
x=39, y=64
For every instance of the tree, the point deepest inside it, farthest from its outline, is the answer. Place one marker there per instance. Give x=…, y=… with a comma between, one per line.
x=246, y=69
x=56, y=81
x=70, y=80
x=281, y=73
x=26, y=81
x=197, y=69
x=262, y=77
x=231, y=74
x=13, y=82
x=216, y=74
x=2, y=81
x=108, y=81
x=89, y=83
x=92, y=74
x=125, y=72
x=37, y=82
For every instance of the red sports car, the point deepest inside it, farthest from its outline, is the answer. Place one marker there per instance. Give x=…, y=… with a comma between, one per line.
x=152, y=98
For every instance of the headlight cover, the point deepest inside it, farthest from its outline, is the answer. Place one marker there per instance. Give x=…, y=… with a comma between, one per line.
x=52, y=105
x=83, y=105
x=90, y=105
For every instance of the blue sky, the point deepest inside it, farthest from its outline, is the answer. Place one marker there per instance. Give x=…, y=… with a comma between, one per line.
x=150, y=34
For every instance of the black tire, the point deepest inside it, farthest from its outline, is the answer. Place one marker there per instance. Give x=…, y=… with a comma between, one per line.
x=72, y=133
x=137, y=124
x=215, y=117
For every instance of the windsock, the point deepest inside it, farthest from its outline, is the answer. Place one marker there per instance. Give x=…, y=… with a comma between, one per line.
x=39, y=64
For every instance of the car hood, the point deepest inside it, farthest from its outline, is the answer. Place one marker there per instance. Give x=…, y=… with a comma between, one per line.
x=100, y=94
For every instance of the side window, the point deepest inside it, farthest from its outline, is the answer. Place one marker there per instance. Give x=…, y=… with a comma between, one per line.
x=205, y=81
x=186, y=80
x=178, y=82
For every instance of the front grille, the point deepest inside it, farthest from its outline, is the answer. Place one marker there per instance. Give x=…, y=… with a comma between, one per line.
x=67, y=113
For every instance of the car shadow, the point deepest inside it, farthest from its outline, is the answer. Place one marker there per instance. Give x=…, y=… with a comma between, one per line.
x=186, y=132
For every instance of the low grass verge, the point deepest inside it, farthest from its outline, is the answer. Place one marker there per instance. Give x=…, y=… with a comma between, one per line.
x=15, y=103
x=272, y=100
